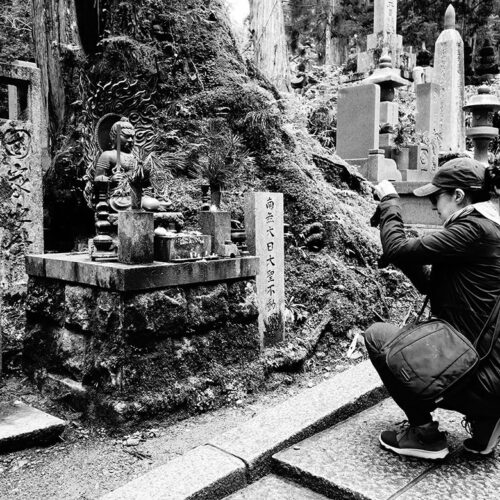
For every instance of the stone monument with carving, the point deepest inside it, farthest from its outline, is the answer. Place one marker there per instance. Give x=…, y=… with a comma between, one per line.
x=384, y=39
x=449, y=74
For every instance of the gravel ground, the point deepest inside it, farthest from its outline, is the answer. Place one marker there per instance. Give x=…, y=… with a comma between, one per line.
x=91, y=461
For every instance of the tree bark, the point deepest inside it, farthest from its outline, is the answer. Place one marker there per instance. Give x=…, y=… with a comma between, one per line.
x=52, y=33
x=334, y=50
x=268, y=27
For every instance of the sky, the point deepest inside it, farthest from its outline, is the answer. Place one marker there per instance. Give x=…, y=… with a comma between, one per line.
x=239, y=9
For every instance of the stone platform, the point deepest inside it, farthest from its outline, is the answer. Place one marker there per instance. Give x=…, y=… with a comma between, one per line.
x=22, y=426
x=78, y=268
x=128, y=341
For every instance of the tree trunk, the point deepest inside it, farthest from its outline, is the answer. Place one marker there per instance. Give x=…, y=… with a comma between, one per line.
x=268, y=26
x=328, y=38
x=332, y=46
x=52, y=32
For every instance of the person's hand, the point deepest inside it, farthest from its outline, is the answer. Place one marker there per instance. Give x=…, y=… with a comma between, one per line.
x=383, y=189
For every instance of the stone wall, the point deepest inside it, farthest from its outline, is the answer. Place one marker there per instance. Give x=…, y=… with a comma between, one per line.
x=126, y=355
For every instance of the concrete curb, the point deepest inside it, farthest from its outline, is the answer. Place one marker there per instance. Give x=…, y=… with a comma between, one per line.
x=243, y=454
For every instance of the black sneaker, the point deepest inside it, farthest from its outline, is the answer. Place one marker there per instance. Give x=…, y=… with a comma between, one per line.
x=485, y=432
x=423, y=441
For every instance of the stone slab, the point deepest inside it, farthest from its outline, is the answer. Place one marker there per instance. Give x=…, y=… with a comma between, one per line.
x=358, y=120
x=135, y=237
x=78, y=268
x=311, y=411
x=22, y=426
x=462, y=478
x=347, y=459
x=275, y=488
x=385, y=16
x=414, y=209
x=427, y=116
x=379, y=168
x=218, y=226
x=389, y=112
x=265, y=239
x=204, y=473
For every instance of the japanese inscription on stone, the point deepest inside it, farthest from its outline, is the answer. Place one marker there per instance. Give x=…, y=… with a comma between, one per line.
x=264, y=228
x=385, y=16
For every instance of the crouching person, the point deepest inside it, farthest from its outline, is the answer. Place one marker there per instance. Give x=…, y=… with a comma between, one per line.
x=458, y=267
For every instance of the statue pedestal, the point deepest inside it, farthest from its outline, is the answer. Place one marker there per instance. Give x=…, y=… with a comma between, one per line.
x=135, y=237
x=218, y=226
x=154, y=331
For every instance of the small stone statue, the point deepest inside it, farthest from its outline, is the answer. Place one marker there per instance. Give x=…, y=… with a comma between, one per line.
x=127, y=175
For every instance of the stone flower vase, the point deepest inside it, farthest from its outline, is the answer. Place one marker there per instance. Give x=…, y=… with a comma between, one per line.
x=402, y=157
x=215, y=195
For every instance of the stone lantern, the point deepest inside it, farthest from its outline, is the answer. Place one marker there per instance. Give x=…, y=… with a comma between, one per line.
x=482, y=106
x=387, y=78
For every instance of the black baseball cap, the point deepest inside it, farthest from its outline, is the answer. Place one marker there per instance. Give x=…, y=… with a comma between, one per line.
x=463, y=173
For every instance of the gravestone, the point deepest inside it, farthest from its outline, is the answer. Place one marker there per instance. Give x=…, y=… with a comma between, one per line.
x=358, y=119
x=385, y=16
x=21, y=210
x=384, y=38
x=428, y=105
x=378, y=168
x=265, y=239
x=449, y=74
x=217, y=225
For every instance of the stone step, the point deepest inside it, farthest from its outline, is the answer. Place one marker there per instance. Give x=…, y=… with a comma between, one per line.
x=22, y=426
x=275, y=488
x=346, y=461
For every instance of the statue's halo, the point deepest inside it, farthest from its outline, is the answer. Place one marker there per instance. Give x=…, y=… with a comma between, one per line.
x=102, y=129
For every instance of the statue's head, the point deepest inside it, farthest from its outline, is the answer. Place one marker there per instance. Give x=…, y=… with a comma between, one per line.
x=126, y=137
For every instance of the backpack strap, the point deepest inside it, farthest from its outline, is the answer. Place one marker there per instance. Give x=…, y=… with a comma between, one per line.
x=426, y=301
x=494, y=315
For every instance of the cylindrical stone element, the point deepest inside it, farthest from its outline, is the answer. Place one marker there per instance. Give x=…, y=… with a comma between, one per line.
x=135, y=237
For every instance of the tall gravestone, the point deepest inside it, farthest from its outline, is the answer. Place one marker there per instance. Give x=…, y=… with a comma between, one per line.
x=428, y=107
x=450, y=76
x=21, y=210
x=265, y=239
x=384, y=38
x=358, y=120
x=20, y=170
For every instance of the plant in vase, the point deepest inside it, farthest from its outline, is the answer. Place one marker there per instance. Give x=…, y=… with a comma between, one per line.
x=221, y=158
x=404, y=137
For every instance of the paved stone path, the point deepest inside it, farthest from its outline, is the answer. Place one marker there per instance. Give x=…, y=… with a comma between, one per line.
x=346, y=462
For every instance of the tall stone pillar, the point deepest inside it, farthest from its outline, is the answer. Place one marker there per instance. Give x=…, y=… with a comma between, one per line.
x=449, y=74
x=265, y=239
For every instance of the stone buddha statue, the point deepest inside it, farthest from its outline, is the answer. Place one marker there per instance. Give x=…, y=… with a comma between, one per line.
x=127, y=176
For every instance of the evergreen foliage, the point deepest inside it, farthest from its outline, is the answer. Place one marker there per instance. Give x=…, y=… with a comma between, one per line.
x=15, y=31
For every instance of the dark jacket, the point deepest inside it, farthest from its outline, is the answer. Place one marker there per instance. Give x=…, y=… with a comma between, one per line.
x=463, y=281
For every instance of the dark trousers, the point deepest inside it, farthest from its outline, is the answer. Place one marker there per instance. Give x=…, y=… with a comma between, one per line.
x=471, y=399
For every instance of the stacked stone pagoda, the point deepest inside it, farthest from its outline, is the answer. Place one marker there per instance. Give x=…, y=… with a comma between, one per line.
x=384, y=39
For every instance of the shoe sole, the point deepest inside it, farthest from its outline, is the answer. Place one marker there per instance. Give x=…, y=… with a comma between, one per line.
x=492, y=443
x=415, y=452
